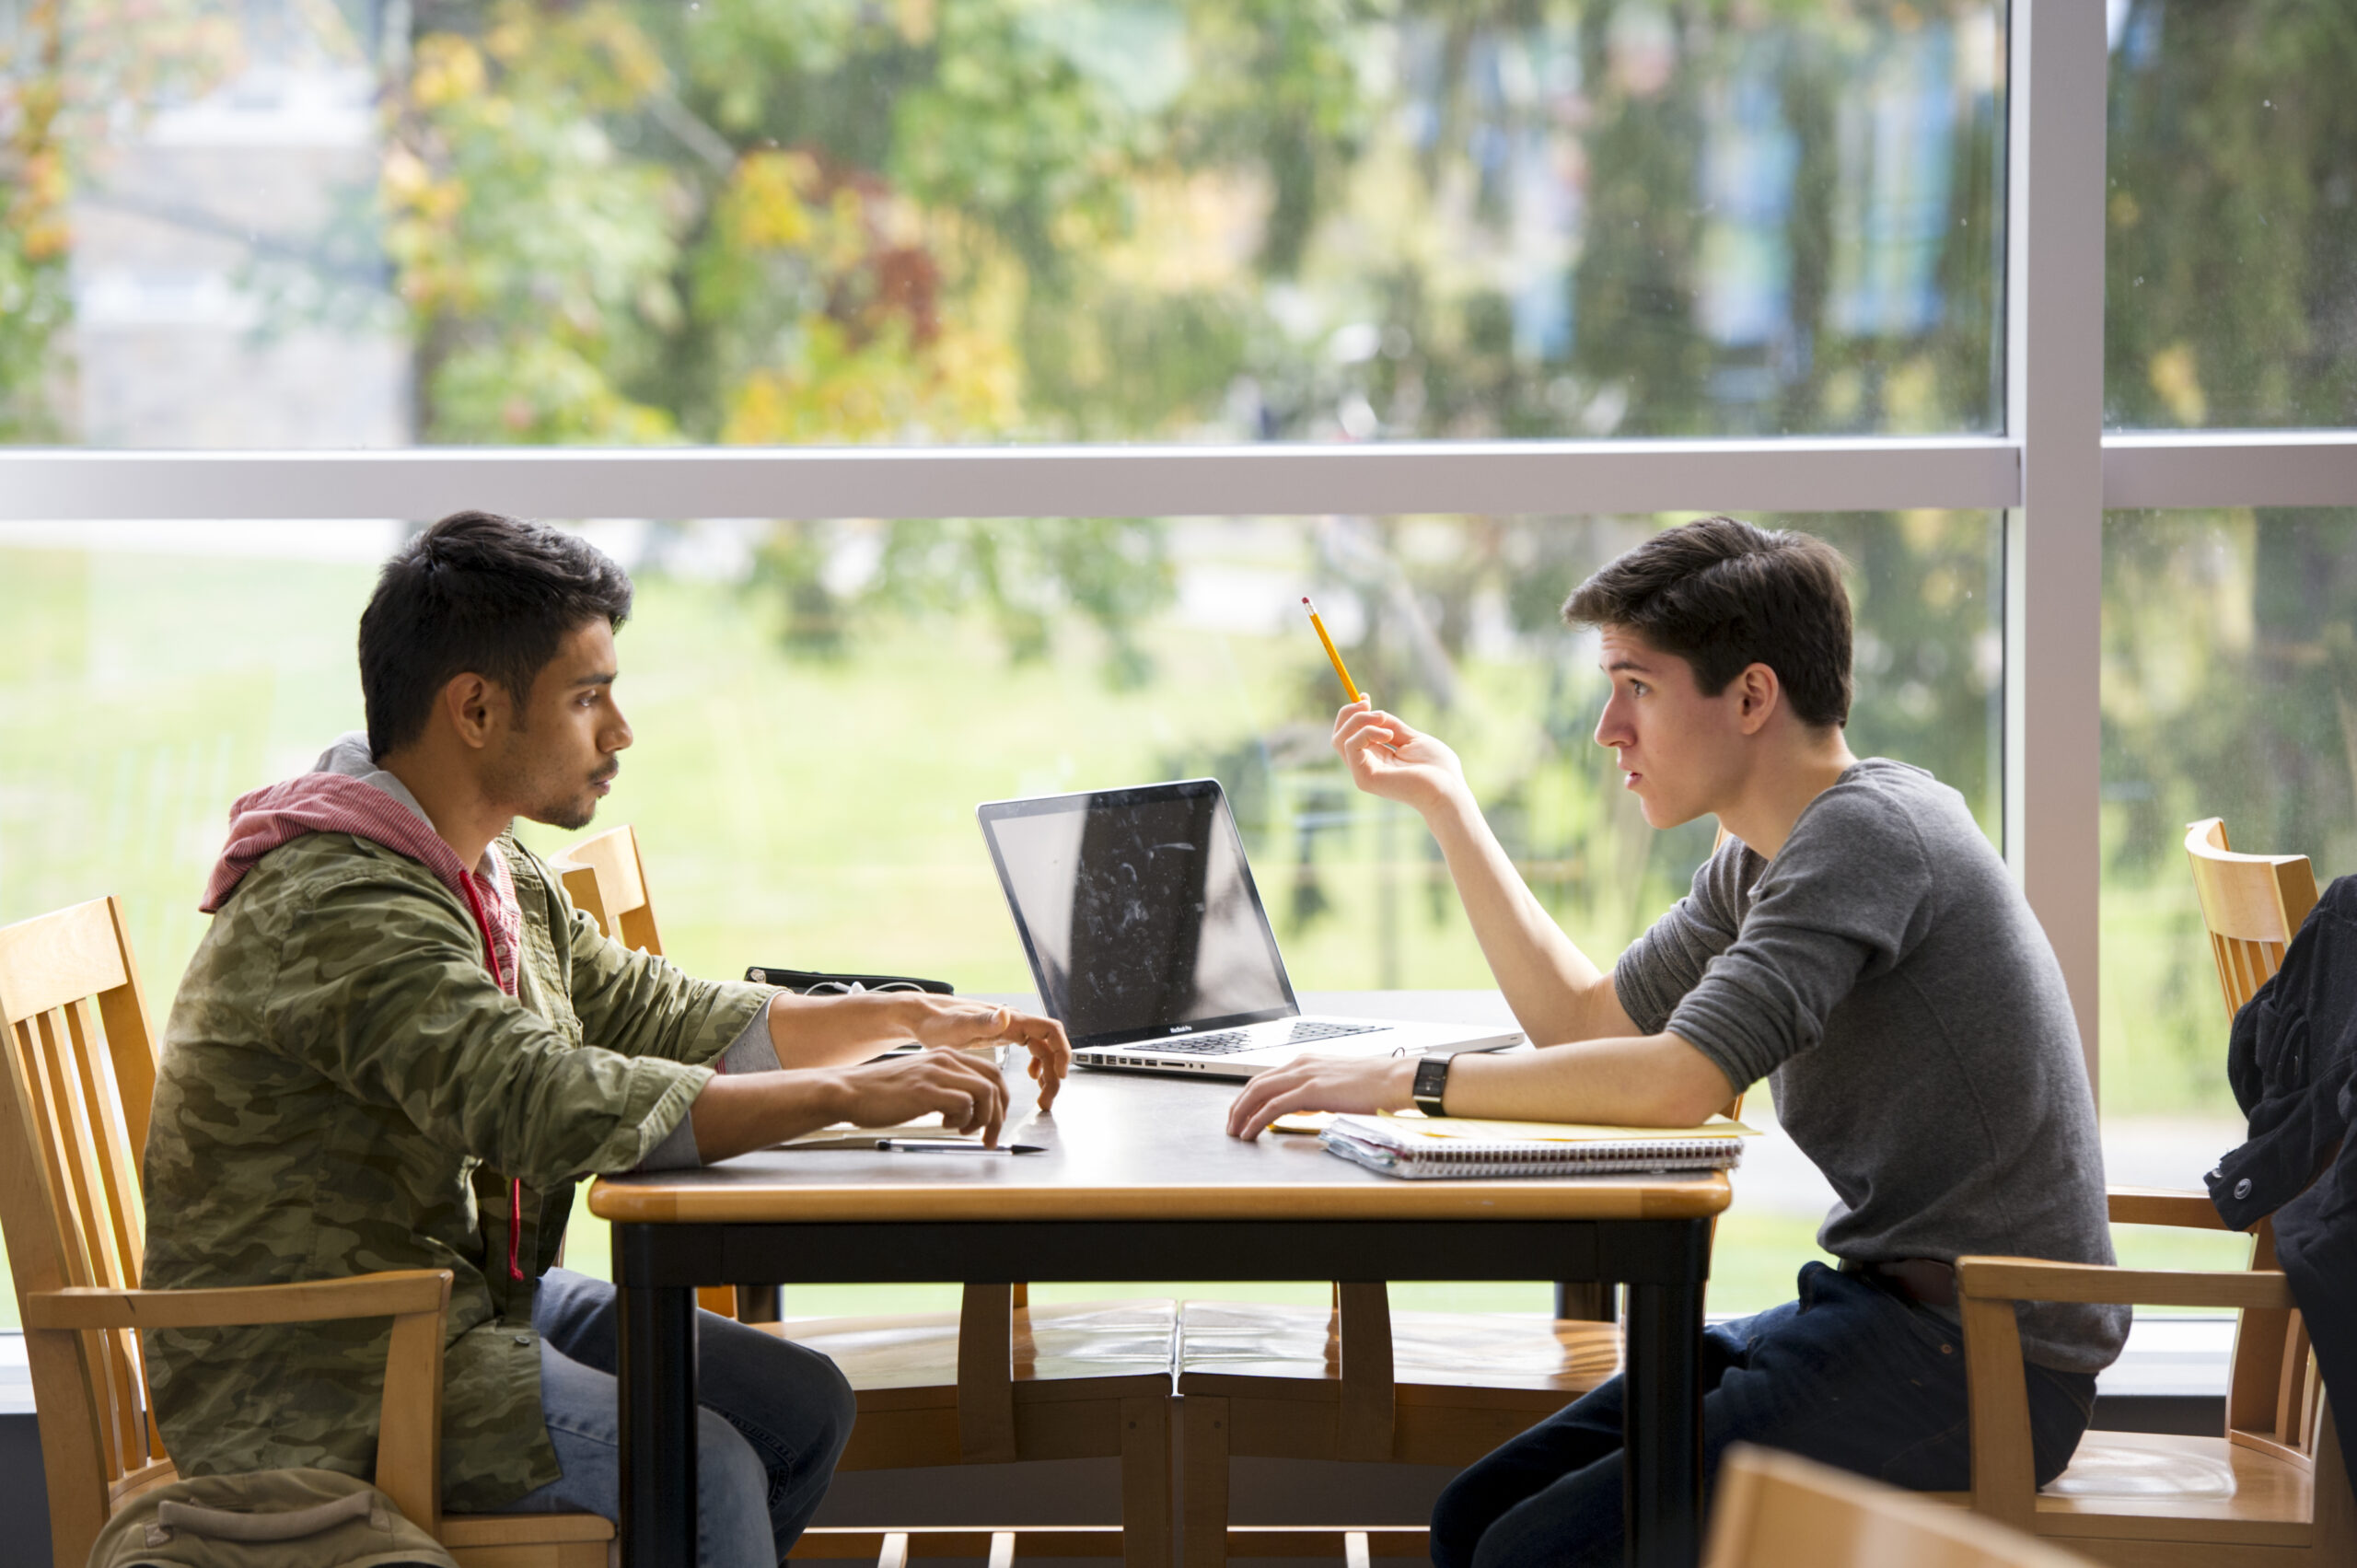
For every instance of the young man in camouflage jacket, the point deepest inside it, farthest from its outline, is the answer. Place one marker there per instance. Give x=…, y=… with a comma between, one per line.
x=398, y=1046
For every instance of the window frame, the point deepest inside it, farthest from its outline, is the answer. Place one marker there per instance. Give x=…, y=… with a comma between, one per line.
x=2054, y=473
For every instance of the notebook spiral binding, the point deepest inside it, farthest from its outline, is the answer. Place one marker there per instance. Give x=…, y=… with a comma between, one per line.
x=1435, y=1159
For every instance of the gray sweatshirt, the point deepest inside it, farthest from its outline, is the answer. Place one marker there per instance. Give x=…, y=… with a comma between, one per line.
x=1888, y=978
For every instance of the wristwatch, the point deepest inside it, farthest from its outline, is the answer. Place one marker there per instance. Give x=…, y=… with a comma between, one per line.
x=1431, y=1084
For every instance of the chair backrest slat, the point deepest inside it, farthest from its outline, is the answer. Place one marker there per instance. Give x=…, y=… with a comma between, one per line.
x=79, y=1048
x=2252, y=906
x=115, y=1231
x=86, y=1239
x=2253, y=1385
x=2292, y=1416
x=50, y=1117
x=118, y=1156
x=103, y=1243
x=132, y=1051
x=95, y=1138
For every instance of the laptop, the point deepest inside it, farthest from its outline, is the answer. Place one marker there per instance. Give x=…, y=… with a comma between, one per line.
x=1148, y=942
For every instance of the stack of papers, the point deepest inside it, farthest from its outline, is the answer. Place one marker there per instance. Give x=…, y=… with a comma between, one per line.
x=1420, y=1147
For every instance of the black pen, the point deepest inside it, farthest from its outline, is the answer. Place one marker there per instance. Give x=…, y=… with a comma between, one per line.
x=953, y=1145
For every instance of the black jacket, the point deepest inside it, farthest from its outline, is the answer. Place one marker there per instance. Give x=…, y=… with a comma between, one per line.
x=2292, y=1062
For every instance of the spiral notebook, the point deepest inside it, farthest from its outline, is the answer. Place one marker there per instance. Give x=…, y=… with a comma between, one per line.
x=1423, y=1148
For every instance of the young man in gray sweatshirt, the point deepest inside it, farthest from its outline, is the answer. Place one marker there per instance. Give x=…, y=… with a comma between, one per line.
x=1855, y=941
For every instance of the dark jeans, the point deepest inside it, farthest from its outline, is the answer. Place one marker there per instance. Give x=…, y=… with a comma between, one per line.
x=773, y=1419
x=1850, y=1374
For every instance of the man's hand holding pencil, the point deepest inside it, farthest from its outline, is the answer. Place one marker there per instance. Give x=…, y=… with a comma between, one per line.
x=1386, y=757
x=1390, y=760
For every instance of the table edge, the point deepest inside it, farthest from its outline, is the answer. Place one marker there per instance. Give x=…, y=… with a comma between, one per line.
x=645, y=1203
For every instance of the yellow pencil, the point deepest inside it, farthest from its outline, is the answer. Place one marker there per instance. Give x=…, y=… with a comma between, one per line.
x=1332, y=652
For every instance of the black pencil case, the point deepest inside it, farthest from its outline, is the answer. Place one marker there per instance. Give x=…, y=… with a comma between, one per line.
x=809, y=980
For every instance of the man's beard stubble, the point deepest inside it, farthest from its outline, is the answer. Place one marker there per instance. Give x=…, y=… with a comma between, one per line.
x=551, y=803
x=568, y=814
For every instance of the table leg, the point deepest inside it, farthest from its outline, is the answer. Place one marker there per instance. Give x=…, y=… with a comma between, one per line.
x=657, y=1391
x=1662, y=1417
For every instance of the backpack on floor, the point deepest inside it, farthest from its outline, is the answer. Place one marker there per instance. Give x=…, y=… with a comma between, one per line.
x=297, y=1518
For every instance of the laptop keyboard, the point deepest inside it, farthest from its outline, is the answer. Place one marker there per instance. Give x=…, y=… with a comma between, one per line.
x=1227, y=1041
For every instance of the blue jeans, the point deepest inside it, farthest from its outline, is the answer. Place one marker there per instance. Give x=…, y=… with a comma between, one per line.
x=1848, y=1375
x=774, y=1419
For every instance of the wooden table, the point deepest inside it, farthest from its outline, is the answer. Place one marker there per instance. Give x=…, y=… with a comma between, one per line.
x=1139, y=1183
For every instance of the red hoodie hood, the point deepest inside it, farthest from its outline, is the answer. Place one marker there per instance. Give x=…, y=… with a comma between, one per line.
x=336, y=803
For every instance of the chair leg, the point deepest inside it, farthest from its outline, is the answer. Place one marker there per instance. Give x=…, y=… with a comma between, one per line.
x=1002, y=1549
x=1145, y=1484
x=1205, y=1447
x=1355, y=1550
x=895, y=1553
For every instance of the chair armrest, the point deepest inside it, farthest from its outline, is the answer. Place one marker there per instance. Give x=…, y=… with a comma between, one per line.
x=392, y=1294
x=2035, y=1279
x=2003, y=1486
x=2162, y=1205
x=409, y=1426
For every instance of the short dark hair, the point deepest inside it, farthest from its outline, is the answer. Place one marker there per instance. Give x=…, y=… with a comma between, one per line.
x=476, y=593
x=1723, y=595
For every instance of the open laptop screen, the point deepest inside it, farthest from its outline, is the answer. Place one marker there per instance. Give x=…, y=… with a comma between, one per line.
x=1137, y=911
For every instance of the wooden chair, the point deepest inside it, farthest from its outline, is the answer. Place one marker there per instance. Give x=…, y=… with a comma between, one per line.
x=1360, y=1382
x=2252, y=904
x=996, y=1381
x=2272, y=1488
x=75, y=1101
x=1777, y=1510
x=607, y=881
x=604, y=876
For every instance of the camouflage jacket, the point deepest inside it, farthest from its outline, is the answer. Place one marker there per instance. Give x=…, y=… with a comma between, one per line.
x=345, y=1089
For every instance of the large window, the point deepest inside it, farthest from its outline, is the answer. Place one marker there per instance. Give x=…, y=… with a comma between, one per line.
x=820, y=707
x=789, y=221
x=1848, y=263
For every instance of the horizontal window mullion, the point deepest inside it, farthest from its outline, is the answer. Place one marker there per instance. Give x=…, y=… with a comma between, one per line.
x=2237, y=467
x=1795, y=475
